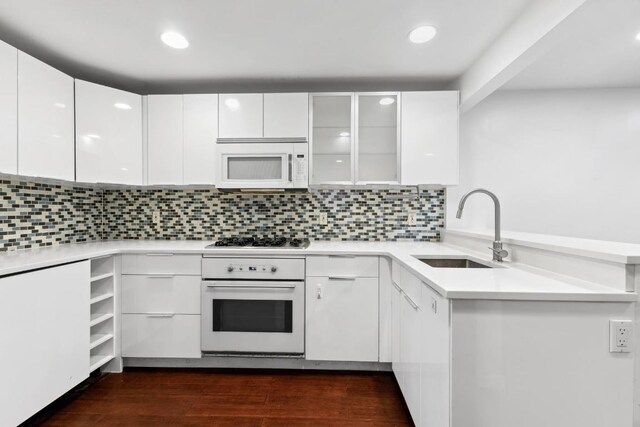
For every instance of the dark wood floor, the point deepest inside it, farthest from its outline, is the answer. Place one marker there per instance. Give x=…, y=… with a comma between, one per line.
x=236, y=398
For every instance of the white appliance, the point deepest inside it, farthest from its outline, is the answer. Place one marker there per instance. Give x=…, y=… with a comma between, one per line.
x=262, y=163
x=252, y=306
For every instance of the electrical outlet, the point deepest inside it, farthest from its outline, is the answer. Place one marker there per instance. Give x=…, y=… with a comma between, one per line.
x=620, y=336
x=155, y=217
x=322, y=218
x=412, y=218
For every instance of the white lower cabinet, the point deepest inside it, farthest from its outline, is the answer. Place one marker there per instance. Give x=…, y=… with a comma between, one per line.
x=161, y=305
x=160, y=335
x=44, y=338
x=410, y=339
x=434, y=359
x=342, y=319
x=482, y=363
x=396, y=297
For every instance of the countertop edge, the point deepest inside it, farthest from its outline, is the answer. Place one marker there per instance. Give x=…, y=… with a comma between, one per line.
x=91, y=253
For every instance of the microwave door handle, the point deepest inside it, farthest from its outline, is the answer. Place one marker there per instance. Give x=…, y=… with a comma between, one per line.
x=290, y=167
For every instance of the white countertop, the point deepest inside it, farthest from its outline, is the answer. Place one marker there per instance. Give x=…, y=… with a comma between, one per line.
x=505, y=282
x=624, y=253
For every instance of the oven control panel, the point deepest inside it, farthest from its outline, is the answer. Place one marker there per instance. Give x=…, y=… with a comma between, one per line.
x=251, y=268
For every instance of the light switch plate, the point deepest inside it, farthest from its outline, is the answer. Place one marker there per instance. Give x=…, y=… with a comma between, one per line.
x=620, y=336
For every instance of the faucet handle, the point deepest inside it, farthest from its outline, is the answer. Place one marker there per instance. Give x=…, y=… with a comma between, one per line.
x=499, y=253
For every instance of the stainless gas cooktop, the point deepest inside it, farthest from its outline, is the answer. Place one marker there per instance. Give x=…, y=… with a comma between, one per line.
x=260, y=242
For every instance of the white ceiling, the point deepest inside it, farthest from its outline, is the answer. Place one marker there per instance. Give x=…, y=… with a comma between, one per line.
x=257, y=44
x=600, y=51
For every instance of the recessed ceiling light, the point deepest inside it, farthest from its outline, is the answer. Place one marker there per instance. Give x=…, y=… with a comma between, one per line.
x=387, y=101
x=344, y=134
x=174, y=40
x=93, y=136
x=338, y=161
x=422, y=34
x=124, y=169
x=232, y=103
x=60, y=105
x=122, y=106
x=638, y=37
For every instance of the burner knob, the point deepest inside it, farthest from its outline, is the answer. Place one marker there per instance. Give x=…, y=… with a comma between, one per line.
x=274, y=269
x=230, y=268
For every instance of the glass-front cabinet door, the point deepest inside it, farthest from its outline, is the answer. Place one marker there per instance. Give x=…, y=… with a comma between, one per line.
x=377, y=138
x=355, y=138
x=332, y=142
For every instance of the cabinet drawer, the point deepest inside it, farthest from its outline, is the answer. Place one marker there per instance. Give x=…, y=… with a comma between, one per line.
x=146, y=335
x=161, y=294
x=342, y=265
x=161, y=264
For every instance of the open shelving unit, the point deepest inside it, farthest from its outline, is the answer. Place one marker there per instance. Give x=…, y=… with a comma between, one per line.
x=102, y=309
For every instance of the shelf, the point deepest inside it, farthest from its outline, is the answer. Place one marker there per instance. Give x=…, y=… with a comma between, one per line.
x=96, y=361
x=98, y=339
x=100, y=297
x=101, y=277
x=98, y=318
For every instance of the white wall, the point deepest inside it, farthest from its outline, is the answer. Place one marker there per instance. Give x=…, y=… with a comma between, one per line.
x=563, y=162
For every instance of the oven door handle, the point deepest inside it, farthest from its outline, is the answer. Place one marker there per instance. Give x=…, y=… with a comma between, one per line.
x=232, y=285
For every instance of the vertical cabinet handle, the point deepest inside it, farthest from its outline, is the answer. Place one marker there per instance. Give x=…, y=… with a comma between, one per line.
x=290, y=167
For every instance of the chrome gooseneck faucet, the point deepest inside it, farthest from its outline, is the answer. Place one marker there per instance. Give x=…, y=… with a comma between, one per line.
x=498, y=252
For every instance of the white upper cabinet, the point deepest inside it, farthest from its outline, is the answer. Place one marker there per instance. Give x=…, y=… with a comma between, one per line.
x=108, y=135
x=286, y=115
x=429, y=138
x=241, y=115
x=377, y=138
x=165, y=143
x=45, y=120
x=200, y=133
x=8, y=108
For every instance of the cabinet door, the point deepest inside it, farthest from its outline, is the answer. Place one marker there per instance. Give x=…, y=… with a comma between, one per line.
x=241, y=115
x=377, y=138
x=8, y=108
x=410, y=347
x=396, y=297
x=385, y=321
x=108, y=135
x=342, y=319
x=45, y=120
x=429, y=138
x=332, y=142
x=286, y=115
x=165, y=139
x=434, y=359
x=45, y=338
x=200, y=133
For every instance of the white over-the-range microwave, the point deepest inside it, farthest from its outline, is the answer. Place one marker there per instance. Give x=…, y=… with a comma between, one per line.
x=262, y=163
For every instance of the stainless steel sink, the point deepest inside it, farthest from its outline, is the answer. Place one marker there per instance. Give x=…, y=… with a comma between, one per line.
x=452, y=263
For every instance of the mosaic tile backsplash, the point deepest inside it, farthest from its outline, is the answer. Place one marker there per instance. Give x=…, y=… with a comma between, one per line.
x=40, y=214
x=34, y=214
x=203, y=214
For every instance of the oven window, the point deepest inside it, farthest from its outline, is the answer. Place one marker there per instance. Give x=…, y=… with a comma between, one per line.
x=254, y=168
x=230, y=315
